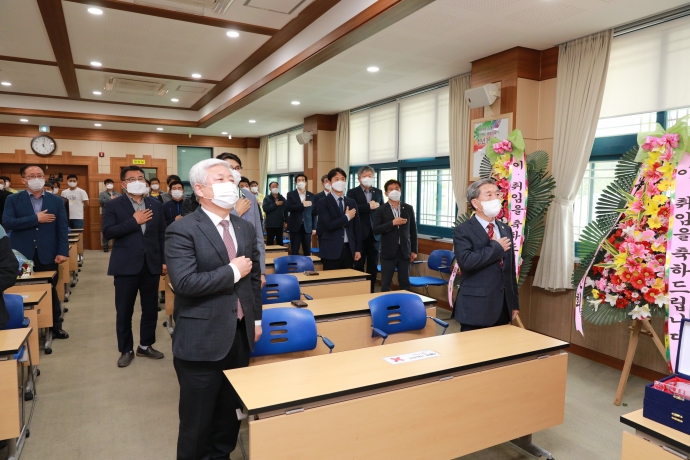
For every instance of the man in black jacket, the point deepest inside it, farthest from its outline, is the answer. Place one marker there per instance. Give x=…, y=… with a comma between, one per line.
x=368, y=199
x=274, y=207
x=395, y=222
x=9, y=268
x=301, y=217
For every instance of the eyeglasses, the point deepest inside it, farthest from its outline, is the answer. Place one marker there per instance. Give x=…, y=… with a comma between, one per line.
x=39, y=176
x=129, y=180
x=236, y=168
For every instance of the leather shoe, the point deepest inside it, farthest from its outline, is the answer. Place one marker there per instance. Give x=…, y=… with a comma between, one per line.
x=125, y=359
x=60, y=334
x=149, y=353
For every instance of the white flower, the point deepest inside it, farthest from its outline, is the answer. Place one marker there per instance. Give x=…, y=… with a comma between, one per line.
x=630, y=231
x=661, y=300
x=589, y=282
x=595, y=304
x=611, y=299
x=640, y=312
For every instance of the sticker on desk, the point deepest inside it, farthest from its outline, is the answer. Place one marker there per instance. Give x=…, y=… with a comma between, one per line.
x=409, y=357
x=25, y=296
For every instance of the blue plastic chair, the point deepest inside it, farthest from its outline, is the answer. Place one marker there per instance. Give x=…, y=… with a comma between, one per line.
x=281, y=288
x=15, y=306
x=393, y=313
x=314, y=250
x=439, y=260
x=287, y=330
x=293, y=264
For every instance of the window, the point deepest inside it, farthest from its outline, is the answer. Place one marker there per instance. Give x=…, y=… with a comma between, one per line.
x=285, y=182
x=630, y=124
x=437, y=203
x=672, y=116
x=386, y=175
x=598, y=175
x=285, y=155
x=188, y=157
x=373, y=135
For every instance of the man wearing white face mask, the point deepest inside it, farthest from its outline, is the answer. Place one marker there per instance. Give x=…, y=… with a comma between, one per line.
x=77, y=197
x=275, y=215
x=3, y=197
x=488, y=294
x=301, y=219
x=214, y=268
x=103, y=198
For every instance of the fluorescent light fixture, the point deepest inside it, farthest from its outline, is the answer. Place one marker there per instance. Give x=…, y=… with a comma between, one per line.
x=159, y=129
x=96, y=11
x=252, y=121
x=196, y=75
x=224, y=133
x=23, y=120
x=175, y=100
x=372, y=69
x=97, y=93
x=295, y=103
x=6, y=83
x=232, y=34
x=96, y=63
x=97, y=124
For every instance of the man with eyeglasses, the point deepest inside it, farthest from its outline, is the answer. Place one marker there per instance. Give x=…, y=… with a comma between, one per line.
x=39, y=231
x=137, y=225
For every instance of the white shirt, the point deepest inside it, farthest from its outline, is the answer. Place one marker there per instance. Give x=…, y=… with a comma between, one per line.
x=484, y=223
x=216, y=219
x=337, y=203
x=76, y=199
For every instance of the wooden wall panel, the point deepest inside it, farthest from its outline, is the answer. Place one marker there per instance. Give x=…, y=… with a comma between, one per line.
x=551, y=313
x=527, y=117
x=549, y=63
x=547, y=108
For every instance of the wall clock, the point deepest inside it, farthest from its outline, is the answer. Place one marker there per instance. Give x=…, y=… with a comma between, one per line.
x=43, y=145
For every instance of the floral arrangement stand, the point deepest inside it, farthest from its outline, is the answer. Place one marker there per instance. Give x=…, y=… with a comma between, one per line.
x=639, y=327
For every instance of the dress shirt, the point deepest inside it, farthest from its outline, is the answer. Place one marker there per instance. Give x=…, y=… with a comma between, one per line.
x=396, y=213
x=367, y=193
x=337, y=203
x=37, y=203
x=302, y=198
x=141, y=206
x=485, y=224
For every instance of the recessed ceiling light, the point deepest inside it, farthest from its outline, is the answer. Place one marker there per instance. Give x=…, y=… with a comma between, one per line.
x=23, y=120
x=97, y=93
x=224, y=133
x=6, y=83
x=175, y=100
x=196, y=75
x=97, y=124
x=232, y=34
x=96, y=63
x=96, y=11
x=373, y=69
x=252, y=121
x=159, y=129
x=229, y=136
x=295, y=103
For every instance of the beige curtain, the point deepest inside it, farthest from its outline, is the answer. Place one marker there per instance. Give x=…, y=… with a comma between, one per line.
x=582, y=67
x=459, y=124
x=342, y=141
x=263, y=162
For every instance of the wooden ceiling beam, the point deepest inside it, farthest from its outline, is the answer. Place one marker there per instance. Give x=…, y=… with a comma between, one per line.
x=145, y=74
x=179, y=16
x=96, y=117
x=27, y=61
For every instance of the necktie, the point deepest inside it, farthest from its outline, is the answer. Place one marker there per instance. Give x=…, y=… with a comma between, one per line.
x=340, y=202
x=232, y=253
x=490, y=229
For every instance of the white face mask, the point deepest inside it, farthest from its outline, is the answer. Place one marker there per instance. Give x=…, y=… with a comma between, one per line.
x=236, y=176
x=155, y=186
x=327, y=187
x=275, y=190
x=394, y=195
x=72, y=184
x=2, y=186
x=338, y=186
x=491, y=208
x=49, y=191
x=367, y=181
x=36, y=184
x=109, y=186
x=225, y=194
x=254, y=189
x=136, y=188
x=301, y=185
x=148, y=190
x=177, y=194
x=56, y=191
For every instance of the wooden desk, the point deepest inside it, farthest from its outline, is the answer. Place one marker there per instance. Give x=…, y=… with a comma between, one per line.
x=73, y=258
x=38, y=282
x=161, y=283
x=275, y=250
x=652, y=440
x=10, y=423
x=170, y=307
x=347, y=322
x=334, y=283
x=64, y=281
x=357, y=405
x=270, y=263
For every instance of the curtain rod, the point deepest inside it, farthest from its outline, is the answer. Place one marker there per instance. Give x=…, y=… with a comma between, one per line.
x=285, y=131
x=651, y=21
x=413, y=92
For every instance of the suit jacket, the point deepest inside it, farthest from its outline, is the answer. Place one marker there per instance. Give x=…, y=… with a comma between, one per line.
x=296, y=211
x=132, y=247
x=189, y=204
x=170, y=211
x=318, y=197
x=364, y=209
x=3, y=197
x=275, y=215
x=390, y=234
x=253, y=216
x=206, y=292
x=483, y=283
x=28, y=234
x=9, y=267
x=333, y=221
x=104, y=196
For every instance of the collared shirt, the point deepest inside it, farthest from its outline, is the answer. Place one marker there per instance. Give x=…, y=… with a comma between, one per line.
x=37, y=203
x=216, y=219
x=396, y=214
x=485, y=224
x=337, y=203
x=139, y=207
x=302, y=198
x=367, y=193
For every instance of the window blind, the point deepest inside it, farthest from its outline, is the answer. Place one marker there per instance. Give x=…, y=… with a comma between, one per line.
x=285, y=155
x=424, y=126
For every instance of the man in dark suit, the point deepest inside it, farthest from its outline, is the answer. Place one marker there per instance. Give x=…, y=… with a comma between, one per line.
x=137, y=226
x=341, y=234
x=274, y=207
x=39, y=231
x=396, y=224
x=488, y=294
x=368, y=199
x=3, y=197
x=215, y=271
x=301, y=218
x=319, y=196
x=9, y=268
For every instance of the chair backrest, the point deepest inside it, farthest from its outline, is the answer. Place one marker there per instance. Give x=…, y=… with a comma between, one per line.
x=280, y=288
x=15, y=306
x=441, y=260
x=284, y=330
x=397, y=313
x=293, y=264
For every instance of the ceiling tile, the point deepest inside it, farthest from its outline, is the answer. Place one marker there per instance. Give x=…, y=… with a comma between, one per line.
x=22, y=33
x=31, y=79
x=545, y=13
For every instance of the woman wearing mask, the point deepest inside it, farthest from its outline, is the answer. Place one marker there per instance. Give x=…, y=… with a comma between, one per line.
x=274, y=207
x=173, y=208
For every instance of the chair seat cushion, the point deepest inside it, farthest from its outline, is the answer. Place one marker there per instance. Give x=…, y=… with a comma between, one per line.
x=420, y=281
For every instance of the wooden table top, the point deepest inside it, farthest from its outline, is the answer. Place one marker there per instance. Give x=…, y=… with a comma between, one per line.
x=271, y=260
x=74, y=235
x=38, y=276
x=291, y=383
x=30, y=298
x=662, y=432
x=330, y=275
x=11, y=340
x=77, y=230
x=275, y=248
x=73, y=240
x=336, y=306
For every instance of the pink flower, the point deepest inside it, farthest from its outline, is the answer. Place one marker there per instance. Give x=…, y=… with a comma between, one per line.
x=652, y=188
x=503, y=147
x=637, y=206
x=647, y=235
x=601, y=284
x=671, y=139
x=666, y=156
x=636, y=250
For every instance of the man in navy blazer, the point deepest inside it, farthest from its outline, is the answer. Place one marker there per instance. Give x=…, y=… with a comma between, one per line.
x=488, y=294
x=39, y=231
x=368, y=199
x=137, y=226
x=341, y=234
x=301, y=220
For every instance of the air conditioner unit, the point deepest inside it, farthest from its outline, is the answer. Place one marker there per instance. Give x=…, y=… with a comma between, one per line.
x=138, y=87
x=217, y=6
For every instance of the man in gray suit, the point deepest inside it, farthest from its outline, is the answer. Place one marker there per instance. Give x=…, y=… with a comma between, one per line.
x=104, y=197
x=488, y=294
x=215, y=272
